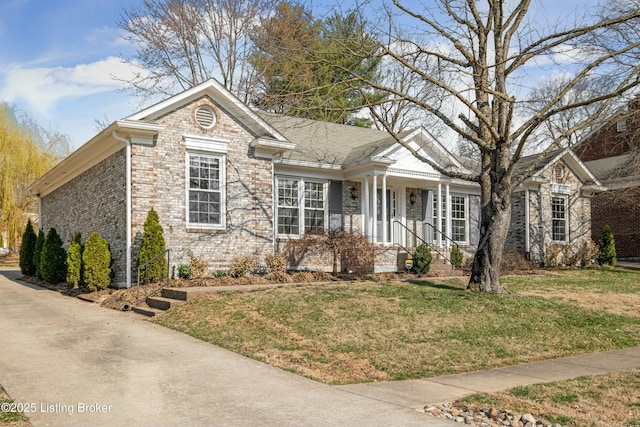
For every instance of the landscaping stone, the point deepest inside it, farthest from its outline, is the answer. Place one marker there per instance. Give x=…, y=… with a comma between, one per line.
x=487, y=417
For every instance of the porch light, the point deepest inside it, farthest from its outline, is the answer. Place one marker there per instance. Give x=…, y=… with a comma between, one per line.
x=354, y=192
x=412, y=199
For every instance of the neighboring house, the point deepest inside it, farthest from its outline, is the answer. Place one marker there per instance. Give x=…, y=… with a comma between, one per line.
x=551, y=210
x=612, y=153
x=228, y=181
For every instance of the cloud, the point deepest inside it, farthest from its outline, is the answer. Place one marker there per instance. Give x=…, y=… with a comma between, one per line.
x=42, y=87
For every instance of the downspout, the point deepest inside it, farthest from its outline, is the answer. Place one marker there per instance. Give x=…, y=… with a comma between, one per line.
x=527, y=244
x=128, y=205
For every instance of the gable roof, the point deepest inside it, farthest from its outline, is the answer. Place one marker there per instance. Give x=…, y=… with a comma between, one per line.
x=546, y=160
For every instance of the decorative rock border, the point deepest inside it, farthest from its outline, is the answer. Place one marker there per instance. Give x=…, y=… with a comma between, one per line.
x=486, y=417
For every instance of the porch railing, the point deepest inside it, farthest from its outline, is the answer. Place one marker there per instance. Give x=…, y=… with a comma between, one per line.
x=146, y=293
x=431, y=246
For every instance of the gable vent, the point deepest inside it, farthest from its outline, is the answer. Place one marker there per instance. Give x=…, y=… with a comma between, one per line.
x=205, y=116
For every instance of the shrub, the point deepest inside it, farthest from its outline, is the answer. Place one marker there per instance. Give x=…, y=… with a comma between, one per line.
x=53, y=259
x=456, y=256
x=607, y=252
x=422, y=259
x=27, y=250
x=352, y=251
x=184, y=271
x=74, y=262
x=37, y=253
x=241, y=266
x=152, y=245
x=276, y=263
x=197, y=266
x=97, y=262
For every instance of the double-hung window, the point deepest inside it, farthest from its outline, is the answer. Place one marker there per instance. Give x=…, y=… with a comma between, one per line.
x=301, y=206
x=206, y=185
x=459, y=218
x=559, y=218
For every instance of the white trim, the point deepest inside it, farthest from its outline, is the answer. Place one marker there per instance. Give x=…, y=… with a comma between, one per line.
x=565, y=198
x=374, y=209
x=222, y=189
x=527, y=220
x=301, y=181
x=206, y=144
x=384, y=210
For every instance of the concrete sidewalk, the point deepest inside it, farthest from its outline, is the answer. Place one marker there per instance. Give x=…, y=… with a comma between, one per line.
x=77, y=364
x=417, y=393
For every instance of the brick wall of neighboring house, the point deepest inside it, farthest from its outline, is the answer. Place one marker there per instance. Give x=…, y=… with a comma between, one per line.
x=158, y=181
x=621, y=210
x=618, y=208
x=540, y=219
x=93, y=201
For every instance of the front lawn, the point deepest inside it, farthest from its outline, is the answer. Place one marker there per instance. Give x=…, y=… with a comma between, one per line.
x=349, y=332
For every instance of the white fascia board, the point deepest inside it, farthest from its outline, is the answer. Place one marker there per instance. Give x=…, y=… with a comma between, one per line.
x=307, y=164
x=221, y=95
x=269, y=148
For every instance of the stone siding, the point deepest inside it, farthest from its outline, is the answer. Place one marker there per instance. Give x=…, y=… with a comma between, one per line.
x=159, y=182
x=540, y=219
x=93, y=201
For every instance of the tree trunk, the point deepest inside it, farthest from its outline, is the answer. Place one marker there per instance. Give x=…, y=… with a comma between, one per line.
x=494, y=227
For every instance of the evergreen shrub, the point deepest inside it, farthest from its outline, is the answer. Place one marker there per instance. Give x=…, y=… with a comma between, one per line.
x=74, y=262
x=152, y=245
x=37, y=252
x=422, y=259
x=456, y=256
x=96, y=259
x=53, y=259
x=27, y=250
x=607, y=251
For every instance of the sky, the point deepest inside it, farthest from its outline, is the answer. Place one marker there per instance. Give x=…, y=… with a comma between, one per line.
x=60, y=61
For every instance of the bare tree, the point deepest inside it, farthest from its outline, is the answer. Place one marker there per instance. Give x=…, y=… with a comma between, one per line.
x=479, y=58
x=182, y=43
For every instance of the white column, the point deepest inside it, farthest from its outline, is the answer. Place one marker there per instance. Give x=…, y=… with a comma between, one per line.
x=439, y=215
x=374, y=208
x=365, y=203
x=448, y=204
x=384, y=210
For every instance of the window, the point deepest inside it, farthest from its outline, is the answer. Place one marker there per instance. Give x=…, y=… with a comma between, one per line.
x=206, y=190
x=443, y=209
x=313, y=206
x=295, y=194
x=459, y=218
x=559, y=219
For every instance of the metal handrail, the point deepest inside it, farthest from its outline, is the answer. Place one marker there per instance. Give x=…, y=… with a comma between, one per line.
x=141, y=267
x=429, y=245
x=452, y=242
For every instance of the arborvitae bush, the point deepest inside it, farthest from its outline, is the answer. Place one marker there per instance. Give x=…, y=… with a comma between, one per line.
x=74, y=262
x=607, y=251
x=53, y=259
x=152, y=245
x=27, y=250
x=38, y=252
x=422, y=259
x=96, y=259
x=456, y=256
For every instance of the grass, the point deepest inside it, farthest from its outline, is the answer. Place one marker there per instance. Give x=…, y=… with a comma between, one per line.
x=598, y=401
x=372, y=331
x=11, y=419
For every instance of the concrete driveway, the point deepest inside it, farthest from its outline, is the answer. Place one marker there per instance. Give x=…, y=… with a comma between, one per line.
x=73, y=363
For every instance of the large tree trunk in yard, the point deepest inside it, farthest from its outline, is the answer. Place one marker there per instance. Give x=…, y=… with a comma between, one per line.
x=494, y=227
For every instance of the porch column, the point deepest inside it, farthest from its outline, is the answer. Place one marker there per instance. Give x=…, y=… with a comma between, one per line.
x=438, y=225
x=448, y=204
x=365, y=207
x=384, y=210
x=374, y=209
